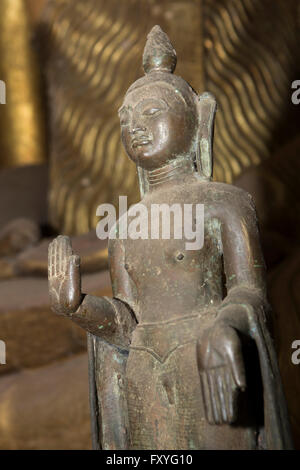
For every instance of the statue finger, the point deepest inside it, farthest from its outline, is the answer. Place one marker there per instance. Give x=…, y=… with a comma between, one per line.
x=236, y=360
x=64, y=255
x=57, y=242
x=74, y=268
x=61, y=244
x=227, y=393
x=218, y=398
x=54, y=257
x=214, y=396
x=50, y=261
x=69, y=250
x=231, y=396
x=206, y=397
x=222, y=389
x=67, y=253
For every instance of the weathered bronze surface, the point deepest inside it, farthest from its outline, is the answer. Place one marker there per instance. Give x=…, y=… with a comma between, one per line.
x=181, y=357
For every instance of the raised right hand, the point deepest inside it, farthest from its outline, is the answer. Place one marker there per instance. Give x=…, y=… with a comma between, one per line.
x=64, y=277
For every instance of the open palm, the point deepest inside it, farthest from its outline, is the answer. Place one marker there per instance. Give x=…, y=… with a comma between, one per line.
x=222, y=373
x=64, y=277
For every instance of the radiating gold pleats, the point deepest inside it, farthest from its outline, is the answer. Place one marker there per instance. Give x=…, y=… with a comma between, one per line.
x=22, y=127
x=35, y=8
x=248, y=65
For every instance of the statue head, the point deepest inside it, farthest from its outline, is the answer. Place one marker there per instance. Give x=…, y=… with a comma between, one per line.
x=161, y=117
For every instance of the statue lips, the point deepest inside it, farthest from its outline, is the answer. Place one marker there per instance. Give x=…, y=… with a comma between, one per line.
x=140, y=141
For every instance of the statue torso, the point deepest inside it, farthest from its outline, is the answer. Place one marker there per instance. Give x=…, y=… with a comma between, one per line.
x=171, y=281
x=175, y=295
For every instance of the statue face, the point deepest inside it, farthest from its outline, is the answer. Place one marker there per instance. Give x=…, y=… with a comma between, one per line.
x=156, y=125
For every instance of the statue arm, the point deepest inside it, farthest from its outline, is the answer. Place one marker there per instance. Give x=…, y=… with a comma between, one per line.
x=244, y=265
x=107, y=318
x=220, y=358
x=111, y=319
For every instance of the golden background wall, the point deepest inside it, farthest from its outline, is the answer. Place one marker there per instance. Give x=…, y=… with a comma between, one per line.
x=22, y=127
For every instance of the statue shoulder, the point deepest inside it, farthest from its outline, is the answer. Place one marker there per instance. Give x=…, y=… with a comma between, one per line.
x=227, y=196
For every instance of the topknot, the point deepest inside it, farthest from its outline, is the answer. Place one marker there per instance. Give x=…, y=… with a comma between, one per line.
x=159, y=54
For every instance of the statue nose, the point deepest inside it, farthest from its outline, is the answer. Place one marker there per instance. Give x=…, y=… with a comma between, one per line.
x=135, y=130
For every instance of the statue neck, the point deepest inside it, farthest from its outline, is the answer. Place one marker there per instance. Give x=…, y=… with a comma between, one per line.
x=175, y=171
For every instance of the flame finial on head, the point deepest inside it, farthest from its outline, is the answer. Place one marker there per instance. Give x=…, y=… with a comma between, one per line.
x=159, y=54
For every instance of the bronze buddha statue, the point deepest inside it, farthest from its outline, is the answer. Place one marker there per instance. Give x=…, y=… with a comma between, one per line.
x=181, y=357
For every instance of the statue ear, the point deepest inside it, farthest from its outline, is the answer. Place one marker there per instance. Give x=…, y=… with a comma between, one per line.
x=207, y=107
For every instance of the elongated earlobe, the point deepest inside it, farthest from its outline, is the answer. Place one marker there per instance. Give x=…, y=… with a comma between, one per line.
x=207, y=107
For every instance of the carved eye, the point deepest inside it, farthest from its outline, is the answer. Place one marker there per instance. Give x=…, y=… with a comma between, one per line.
x=151, y=111
x=124, y=118
x=124, y=122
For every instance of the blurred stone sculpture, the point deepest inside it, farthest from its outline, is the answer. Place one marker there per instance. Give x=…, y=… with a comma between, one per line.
x=181, y=357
